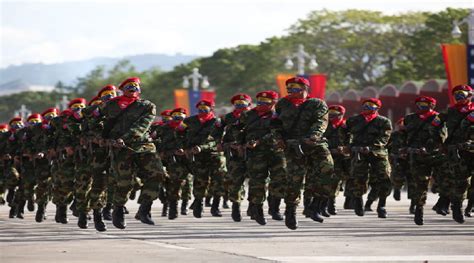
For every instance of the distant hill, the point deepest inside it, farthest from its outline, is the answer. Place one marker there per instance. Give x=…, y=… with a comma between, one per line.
x=67, y=72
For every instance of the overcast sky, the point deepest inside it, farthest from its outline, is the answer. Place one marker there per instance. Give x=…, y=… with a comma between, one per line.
x=56, y=31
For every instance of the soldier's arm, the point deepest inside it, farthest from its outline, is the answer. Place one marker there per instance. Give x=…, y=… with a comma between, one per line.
x=385, y=132
x=218, y=130
x=320, y=120
x=141, y=125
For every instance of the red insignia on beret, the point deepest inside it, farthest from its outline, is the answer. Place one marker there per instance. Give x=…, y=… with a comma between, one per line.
x=129, y=80
x=268, y=94
x=240, y=96
x=373, y=100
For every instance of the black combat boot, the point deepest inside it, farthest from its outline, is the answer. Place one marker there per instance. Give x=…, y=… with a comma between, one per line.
x=106, y=212
x=358, y=206
x=164, y=210
x=419, y=215
x=144, y=213
x=20, y=209
x=137, y=216
x=381, y=212
x=215, y=206
x=315, y=209
x=62, y=214
x=40, y=213
x=456, y=207
x=192, y=204
x=82, y=220
x=225, y=203
x=468, y=210
x=307, y=207
x=396, y=194
x=332, y=206
x=12, y=212
x=184, y=207
x=276, y=215
x=258, y=214
x=348, y=203
x=412, y=208
x=290, y=217
x=236, y=216
x=10, y=195
x=125, y=210
x=30, y=205
x=441, y=206
x=250, y=211
x=173, y=210
x=197, y=209
x=270, y=205
x=99, y=223
x=133, y=195
x=323, y=207
x=208, y=201
x=73, y=208
x=368, y=205
x=118, y=217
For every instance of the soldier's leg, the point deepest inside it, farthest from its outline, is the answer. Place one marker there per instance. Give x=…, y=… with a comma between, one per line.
x=380, y=169
x=43, y=179
x=123, y=165
x=83, y=185
x=421, y=173
x=297, y=170
x=258, y=168
x=173, y=188
x=339, y=177
x=442, y=176
x=64, y=189
x=360, y=179
x=348, y=185
x=398, y=178
x=323, y=183
x=28, y=185
x=218, y=173
x=373, y=193
x=459, y=177
x=186, y=192
x=277, y=185
x=98, y=194
x=201, y=183
x=152, y=174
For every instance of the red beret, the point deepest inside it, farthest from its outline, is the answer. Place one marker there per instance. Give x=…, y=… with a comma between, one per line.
x=50, y=110
x=400, y=121
x=66, y=112
x=3, y=126
x=240, y=96
x=106, y=88
x=182, y=110
x=77, y=100
x=14, y=119
x=339, y=108
x=93, y=99
x=129, y=80
x=166, y=113
x=462, y=87
x=373, y=100
x=426, y=99
x=34, y=116
x=268, y=94
x=205, y=102
x=299, y=80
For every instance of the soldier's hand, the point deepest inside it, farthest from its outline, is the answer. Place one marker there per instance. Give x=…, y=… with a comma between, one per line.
x=119, y=143
x=69, y=151
x=251, y=144
x=179, y=152
x=280, y=144
x=40, y=155
x=196, y=149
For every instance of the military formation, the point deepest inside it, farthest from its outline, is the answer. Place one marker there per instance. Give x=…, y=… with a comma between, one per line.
x=95, y=156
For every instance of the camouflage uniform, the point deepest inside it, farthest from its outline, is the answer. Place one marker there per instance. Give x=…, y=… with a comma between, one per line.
x=27, y=184
x=467, y=128
x=423, y=140
x=208, y=166
x=369, y=156
x=265, y=161
x=307, y=154
x=9, y=147
x=137, y=157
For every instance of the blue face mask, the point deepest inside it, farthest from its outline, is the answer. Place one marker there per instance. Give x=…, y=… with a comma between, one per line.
x=178, y=118
x=203, y=111
x=241, y=106
x=263, y=103
x=17, y=126
x=423, y=107
x=369, y=107
x=132, y=88
x=294, y=90
x=107, y=97
x=460, y=96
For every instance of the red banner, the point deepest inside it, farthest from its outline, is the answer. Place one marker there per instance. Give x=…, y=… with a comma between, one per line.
x=318, y=85
x=455, y=62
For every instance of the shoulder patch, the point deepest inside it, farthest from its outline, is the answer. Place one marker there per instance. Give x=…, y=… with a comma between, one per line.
x=470, y=117
x=436, y=121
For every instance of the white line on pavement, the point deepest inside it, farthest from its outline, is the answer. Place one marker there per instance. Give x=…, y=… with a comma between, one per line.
x=421, y=258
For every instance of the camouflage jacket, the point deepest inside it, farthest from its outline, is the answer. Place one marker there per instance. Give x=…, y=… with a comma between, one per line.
x=374, y=134
x=332, y=134
x=74, y=131
x=156, y=134
x=429, y=134
x=396, y=142
x=59, y=133
x=132, y=125
x=312, y=122
x=262, y=129
x=171, y=139
x=453, y=118
x=467, y=128
x=197, y=134
x=225, y=132
x=13, y=146
x=92, y=122
x=3, y=143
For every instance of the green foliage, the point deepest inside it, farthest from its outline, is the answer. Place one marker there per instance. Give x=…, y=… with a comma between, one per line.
x=355, y=48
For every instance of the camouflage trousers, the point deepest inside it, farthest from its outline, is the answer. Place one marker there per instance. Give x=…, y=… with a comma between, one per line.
x=342, y=168
x=237, y=172
x=11, y=178
x=145, y=165
x=401, y=175
x=315, y=168
x=209, y=170
x=264, y=164
x=43, y=181
x=99, y=166
x=378, y=167
x=178, y=174
x=421, y=170
x=63, y=180
x=459, y=176
x=27, y=184
x=83, y=182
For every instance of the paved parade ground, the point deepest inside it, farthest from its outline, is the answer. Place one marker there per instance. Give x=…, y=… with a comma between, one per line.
x=341, y=238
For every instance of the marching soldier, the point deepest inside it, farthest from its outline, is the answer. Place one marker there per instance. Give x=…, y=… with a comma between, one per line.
x=3, y=140
x=128, y=119
x=467, y=128
x=368, y=136
x=12, y=163
x=303, y=122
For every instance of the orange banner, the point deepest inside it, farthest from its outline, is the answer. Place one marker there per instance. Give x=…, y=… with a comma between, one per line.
x=280, y=80
x=181, y=99
x=455, y=61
